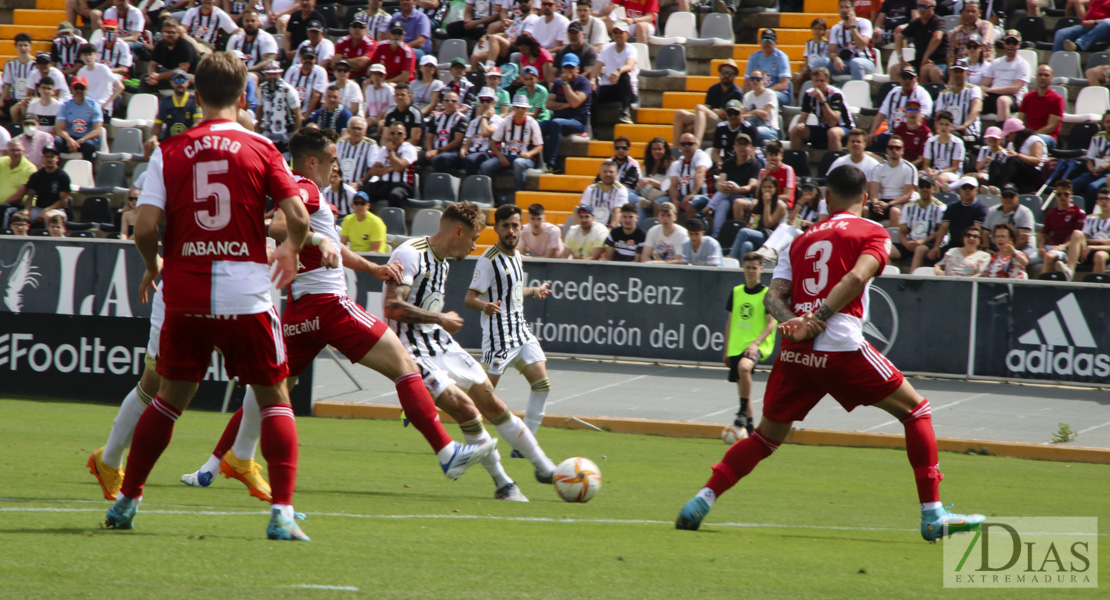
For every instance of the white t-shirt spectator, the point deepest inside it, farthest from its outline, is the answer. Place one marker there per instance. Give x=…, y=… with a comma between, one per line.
x=352, y=94
x=61, y=88
x=128, y=26
x=685, y=172
x=552, y=34
x=760, y=102
x=1006, y=72
x=520, y=26
x=100, y=79
x=263, y=44
x=866, y=165
x=39, y=110
x=594, y=32
x=892, y=180
x=613, y=60
x=379, y=101
x=708, y=255
x=665, y=247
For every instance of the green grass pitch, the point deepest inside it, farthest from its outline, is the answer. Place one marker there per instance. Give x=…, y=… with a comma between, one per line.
x=809, y=523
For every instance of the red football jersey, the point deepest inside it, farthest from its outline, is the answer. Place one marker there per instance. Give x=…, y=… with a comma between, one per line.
x=212, y=181
x=396, y=60
x=821, y=257
x=312, y=277
x=347, y=48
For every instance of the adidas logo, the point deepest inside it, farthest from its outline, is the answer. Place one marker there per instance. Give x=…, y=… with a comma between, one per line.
x=1062, y=335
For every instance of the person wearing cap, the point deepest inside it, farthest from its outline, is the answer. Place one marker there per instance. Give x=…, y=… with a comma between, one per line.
x=405, y=113
x=586, y=239
x=626, y=242
x=362, y=230
x=322, y=46
x=478, y=16
x=775, y=66
x=918, y=230
x=427, y=88
x=536, y=94
x=1005, y=78
x=990, y=160
x=963, y=100
x=914, y=132
x=1093, y=28
x=517, y=143
x=458, y=82
x=760, y=110
x=1042, y=109
x=112, y=52
x=279, y=107
x=605, y=195
x=726, y=131
x=484, y=120
x=16, y=72
x=379, y=97
x=34, y=140
x=309, y=79
x=640, y=16
x=737, y=182
x=890, y=184
x=15, y=172
x=590, y=30
x=577, y=44
x=170, y=54
x=105, y=87
x=617, y=73
x=176, y=113
x=809, y=206
x=569, y=103
x=550, y=31
x=80, y=122
x=377, y=20
x=332, y=115
x=446, y=131
x=393, y=168
x=356, y=48
x=1011, y=212
x=712, y=111
x=131, y=24
x=493, y=82
x=45, y=190
x=296, y=23
x=971, y=23
x=64, y=49
x=1027, y=155
x=417, y=26
x=834, y=116
x=399, y=59
x=929, y=39
x=850, y=45
x=689, y=177
x=959, y=216
x=892, y=16
x=204, y=23
x=664, y=240
x=258, y=45
x=699, y=250
x=892, y=112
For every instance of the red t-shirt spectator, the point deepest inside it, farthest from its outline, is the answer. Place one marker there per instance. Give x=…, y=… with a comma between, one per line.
x=1058, y=224
x=864, y=10
x=346, y=48
x=914, y=139
x=1097, y=10
x=639, y=8
x=784, y=175
x=544, y=58
x=1037, y=109
x=396, y=60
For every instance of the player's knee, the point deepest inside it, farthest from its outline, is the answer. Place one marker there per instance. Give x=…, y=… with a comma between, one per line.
x=541, y=385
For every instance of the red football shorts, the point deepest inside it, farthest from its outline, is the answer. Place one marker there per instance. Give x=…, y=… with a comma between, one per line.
x=251, y=345
x=802, y=376
x=318, y=320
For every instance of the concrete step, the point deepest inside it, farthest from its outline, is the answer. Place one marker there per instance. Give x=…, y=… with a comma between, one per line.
x=51, y=5
x=682, y=100
x=552, y=201
x=566, y=183
x=803, y=20
x=821, y=6
x=654, y=116
x=38, y=32
x=793, y=37
x=642, y=133
x=583, y=166
x=50, y=18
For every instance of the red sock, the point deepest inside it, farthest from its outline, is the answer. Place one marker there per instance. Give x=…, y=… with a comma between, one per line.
x=740, y=459
x=421, y=410
x=279, y=448
x=152, y=434
x=228, y=438
x=921, y=447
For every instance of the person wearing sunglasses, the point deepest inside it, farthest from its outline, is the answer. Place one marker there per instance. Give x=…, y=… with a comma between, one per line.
x=1005, y=79
x=961, y=217
x=890, y=185
x=760, y=112
x=80, y=122
x=971, y=23
x=964, y=258
x=393, y=169
x=893, y=110
x=712, y=110
x=445, y=136
x=929, y=37
x=628, y=168
x=475, y=148
x=775, y=66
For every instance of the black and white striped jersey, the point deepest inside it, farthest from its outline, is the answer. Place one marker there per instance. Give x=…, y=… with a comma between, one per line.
x=426, y=275
x=15, y=75
x=63, y=52
x=206, y=27
x=354, y=159
x=959, y=104
x=263, y=43
x=499, y=277
x=316, y=80
x=922, y=222
x=119, y=55
x=445, y=126
x=942, y=155
x=341, y=199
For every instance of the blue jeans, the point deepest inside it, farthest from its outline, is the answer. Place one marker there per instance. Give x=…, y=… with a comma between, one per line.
x=474, y=161
x=1049, y=141
x=519, y=165
x=784, y=97
x=1087, y=185
x=721, y=203
x=747, y=240
x=88, y=148
x=553, y=131
x=857, y=66
x=1082, y=36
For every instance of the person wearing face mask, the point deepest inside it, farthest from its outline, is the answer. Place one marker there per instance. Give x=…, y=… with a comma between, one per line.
x=112, y=52
x=34, y=140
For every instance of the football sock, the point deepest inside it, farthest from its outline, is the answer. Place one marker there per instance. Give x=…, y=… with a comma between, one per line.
x=921, y=448
x=740, y=459
x=475, y=433
x=123, y=427
x=513, y=430
x=246, y=439
x=930, y=506
x=152, y=434
x=286, y=510
x=537, y=401
x=708, y=495
x=743, y=407
x=279, y=448
x=225, y=443
x=420, y=410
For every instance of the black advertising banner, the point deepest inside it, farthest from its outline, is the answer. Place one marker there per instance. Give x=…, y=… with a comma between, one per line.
x=921, y=324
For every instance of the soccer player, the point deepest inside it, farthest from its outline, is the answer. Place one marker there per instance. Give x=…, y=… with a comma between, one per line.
x=819, y=295
x=749, y=335
x=319, y=313
x=216, y=283
x=507, y=340
x=415, y=307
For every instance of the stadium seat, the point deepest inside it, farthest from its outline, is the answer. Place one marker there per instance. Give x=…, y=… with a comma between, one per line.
x=450, y=50
x=729, y=262
x=80, y=174
x=40, y=232
x=799, y=160
x=680, y=26
x=479, y=190
x=951, y=22
x=111, y=178
x=141, y=112
x=716, y=30
x=96, y=36
x=1102, y=278
x=669, y=62
x=643, y=56
x=128, y=145
x=1063, y=91
x=1030, y=57
x=331, y=16
x=139, y=170
x=1090, y=105
x=934, y=89
x=1032, y=29
x=426, y=222
x=947, y=197
x=754, y=10
x=1053, y=276
x=827, y=159
x=440, y=189
x=990, y=200
x=858, y=95
x=96, y=209
x=1096, y=59
x=727, y=235
x=924, y=272
x=1078, y=140
x=1066, y=69
x=81, y=234
x=394, y=219
x=78, y=156
x=891, y=270
x=1034, y=203
x=645, y=224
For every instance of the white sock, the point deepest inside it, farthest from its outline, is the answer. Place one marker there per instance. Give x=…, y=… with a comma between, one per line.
x=520, y=437
x=286, y=510
x=537, y=402
x=250, y=428
x=212, y=465
x=134, y=501
x=707, y=495
x=122, y=428
x=492, y=462
x=930, y=505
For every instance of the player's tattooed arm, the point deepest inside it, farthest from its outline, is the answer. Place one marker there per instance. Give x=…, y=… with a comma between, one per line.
x=777, y=300
x=398, y=309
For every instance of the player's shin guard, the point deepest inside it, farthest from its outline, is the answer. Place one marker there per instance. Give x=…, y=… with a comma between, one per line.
x=740, y=459
x=537, y=403
x=420, y=409
x=152, y=435
x=921, y=448
x=123, y=427
x=279, y=448
x=475, y=433
x=512, y=430
x=250, y=428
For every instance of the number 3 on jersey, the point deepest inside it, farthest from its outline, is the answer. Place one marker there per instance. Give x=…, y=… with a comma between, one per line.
x=822, y=250
x=218, y=215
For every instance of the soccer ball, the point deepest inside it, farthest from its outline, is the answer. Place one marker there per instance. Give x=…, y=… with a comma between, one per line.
x=577, y=479
x=732, y=434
